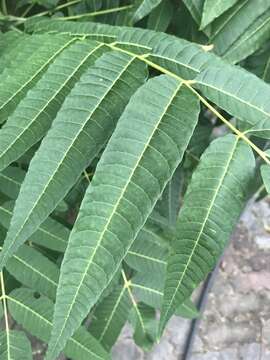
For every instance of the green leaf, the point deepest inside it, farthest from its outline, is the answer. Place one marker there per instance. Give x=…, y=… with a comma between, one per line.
x=265, y=172
x=14, y=345
x=179, y=56
x=212, y=205
x=143, y=319
x=242, y=30
x=80, y=130
x=35, y=315
x=145, y=9
x=110, y=316
x=141, y=156
x=169, y=204
x=161, y=16
x=50, y=234
x=149, y=289
x=10, y=181
x=195, y=7
x=213, y=9
x=241, y=94
x=34, y=270
x=15, y=86
x=147, y=254
x=35, y=113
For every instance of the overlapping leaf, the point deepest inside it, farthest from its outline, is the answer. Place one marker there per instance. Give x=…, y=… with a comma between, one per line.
x=213, y=9
x=35, y=113
x=145, y=9
x=35, y=315
x=14, y=345
x=15, y=84
x=110, y=316
x=145, y=149
x=245, y=98
x=212, y=205
x=80, y=130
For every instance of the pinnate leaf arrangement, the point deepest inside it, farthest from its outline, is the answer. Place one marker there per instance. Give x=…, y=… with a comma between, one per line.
x=132, y=134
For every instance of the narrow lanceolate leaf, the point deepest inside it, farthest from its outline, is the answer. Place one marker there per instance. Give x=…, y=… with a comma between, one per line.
x=147, y=254
x=212, y=205
x=195, y=7
x=35, y=113
x=51, y=234
x=15, y=85
x=241, y=94
x=110, y=316
x=161, y=16
x=265, y=171
x=80, y=130
x=145, y=149
x=14, y=345
x=242, y=30
x=34, y=270
x=35, y=315
x=10, y=181
x=213, y=9
x=149, y=289
x=169, y=204
x=145, y=8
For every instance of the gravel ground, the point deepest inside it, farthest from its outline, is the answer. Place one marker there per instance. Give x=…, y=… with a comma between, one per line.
x=236, y=322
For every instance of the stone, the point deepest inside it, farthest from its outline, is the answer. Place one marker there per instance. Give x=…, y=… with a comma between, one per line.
x=126, y=349
x=263, y=242
x=226, y=354
x=250, y=351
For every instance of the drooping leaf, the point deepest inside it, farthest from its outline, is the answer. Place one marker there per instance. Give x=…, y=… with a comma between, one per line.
x=51, y=234
x=35, y=113
x=213, y=9
x=141, y=156
x=212, y=205
x=149, y=290
x=80, y=130
x=145, y=9
x=161, y=16
x=195, y=7
x=241, y=30
x=10, y=181
x=265, y=171
x=110, y=316
x=14, y=345
x=15, y=85
x=245, y=98
x=34, y=270
x=35, y=315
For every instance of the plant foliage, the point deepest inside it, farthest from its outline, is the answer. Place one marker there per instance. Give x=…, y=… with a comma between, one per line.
x=130, y=142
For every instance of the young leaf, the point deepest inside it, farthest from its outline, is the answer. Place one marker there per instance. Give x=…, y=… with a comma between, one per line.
x=213, y=9
x=35, y=113
x=141, y=156
x=246, y=98
x=35, y=315
x=14, y=345
x=80, y=130
x=212, y=205
x=15, y=85
x=110, y=316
